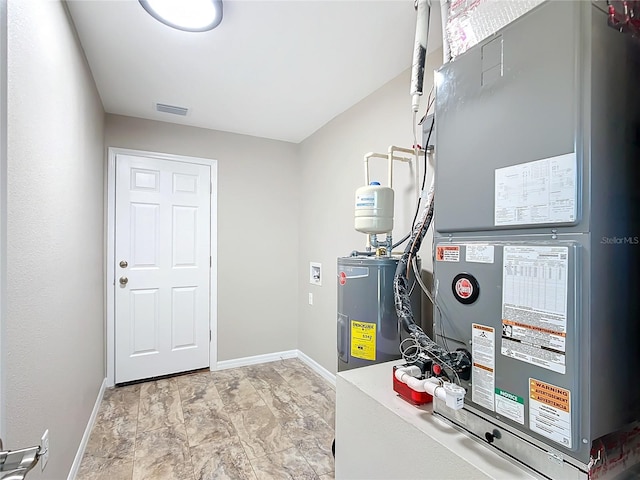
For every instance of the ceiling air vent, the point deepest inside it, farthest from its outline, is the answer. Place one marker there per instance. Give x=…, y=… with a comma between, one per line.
x=161, y=107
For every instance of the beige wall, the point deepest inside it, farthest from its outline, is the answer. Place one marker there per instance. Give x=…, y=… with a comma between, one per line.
x=53, y=331
x=332, y=170
x=280, y=206
x=258, y=205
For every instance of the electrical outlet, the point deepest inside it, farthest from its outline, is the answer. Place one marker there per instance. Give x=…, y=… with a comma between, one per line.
x=310, y=298
x=44, y=445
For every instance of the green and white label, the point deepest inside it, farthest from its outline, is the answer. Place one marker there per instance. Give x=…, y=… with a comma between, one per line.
x=510, y=406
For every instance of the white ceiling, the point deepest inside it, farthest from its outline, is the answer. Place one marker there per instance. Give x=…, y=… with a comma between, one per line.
x=274, y=69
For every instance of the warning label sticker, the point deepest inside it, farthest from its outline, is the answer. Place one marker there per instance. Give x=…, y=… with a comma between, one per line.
x=363, y=340
x=510, y=406
x=534, y=305
x=550, y=411
x=483, y=347
x=448, y=253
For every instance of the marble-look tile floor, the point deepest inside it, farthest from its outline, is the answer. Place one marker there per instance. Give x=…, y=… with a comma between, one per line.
x=269, y=421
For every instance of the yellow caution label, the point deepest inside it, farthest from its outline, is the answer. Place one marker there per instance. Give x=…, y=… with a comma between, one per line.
x=363, y=340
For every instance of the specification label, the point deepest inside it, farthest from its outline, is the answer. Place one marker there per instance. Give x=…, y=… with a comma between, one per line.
x=543, y=191
x=363, y=340
x=550, y=411
x=534, y=305
x=483, y=348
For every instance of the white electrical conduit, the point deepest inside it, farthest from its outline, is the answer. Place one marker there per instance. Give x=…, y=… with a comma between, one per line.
x=444, y=17
x=386, y=156
x=413, y=151
x=420, y=52
x=453, y=395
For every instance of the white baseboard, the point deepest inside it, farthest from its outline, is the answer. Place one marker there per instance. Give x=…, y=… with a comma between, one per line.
x=273, y=357
x=316, y=367
x=243, y=362
x=87, y=433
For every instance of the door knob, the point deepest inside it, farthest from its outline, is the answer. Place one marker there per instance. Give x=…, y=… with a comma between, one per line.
x=123, y=280
x=123, y=264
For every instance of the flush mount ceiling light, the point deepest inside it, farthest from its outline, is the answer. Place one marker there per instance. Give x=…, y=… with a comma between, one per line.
x=187, y=15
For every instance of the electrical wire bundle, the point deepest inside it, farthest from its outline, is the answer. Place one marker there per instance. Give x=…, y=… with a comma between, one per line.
x=453, y=361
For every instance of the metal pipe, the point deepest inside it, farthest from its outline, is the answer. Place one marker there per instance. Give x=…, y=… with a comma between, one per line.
x=356, y=253
x=389, y=244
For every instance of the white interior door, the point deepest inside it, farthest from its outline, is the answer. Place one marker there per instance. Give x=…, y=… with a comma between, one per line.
x=162, y=267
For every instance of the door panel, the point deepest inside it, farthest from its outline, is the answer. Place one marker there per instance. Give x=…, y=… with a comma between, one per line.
x=185, y=235
x=144, y=321
x=144, y=235
x=184, y=318
x=162, y=307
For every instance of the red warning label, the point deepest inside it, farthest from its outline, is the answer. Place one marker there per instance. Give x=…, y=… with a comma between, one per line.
x=448, y=253
x=343, y=278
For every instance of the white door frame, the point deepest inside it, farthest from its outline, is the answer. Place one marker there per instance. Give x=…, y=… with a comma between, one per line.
x=111, y=261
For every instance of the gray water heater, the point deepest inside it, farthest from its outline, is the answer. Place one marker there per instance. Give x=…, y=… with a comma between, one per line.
x=368, y=330
x=537, y=237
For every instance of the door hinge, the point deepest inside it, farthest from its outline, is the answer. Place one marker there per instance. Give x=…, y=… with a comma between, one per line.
x=209, y=335
x=211, y=188
x=210, y=261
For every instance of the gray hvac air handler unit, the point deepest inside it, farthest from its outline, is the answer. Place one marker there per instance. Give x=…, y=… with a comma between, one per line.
x=537, y=234
x=368, y=330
